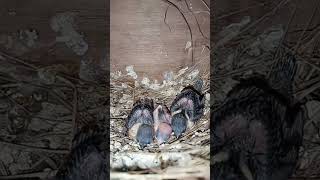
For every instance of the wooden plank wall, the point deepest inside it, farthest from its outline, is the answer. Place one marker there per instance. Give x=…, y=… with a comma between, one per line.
x=91, y=20
x=256, y=10
x=140, y=37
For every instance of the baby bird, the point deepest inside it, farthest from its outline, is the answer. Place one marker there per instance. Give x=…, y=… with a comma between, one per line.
x=85, y=161
x=258, y=131
x=187, y=108
x=162, y=124
x=140, y=122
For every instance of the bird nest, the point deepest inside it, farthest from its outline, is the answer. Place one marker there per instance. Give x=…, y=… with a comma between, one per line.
x=242, y=51
x=187, y=156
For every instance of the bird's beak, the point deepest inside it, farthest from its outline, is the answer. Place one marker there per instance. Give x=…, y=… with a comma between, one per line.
x=176, y=112
x=187, y=116
x=189, y=122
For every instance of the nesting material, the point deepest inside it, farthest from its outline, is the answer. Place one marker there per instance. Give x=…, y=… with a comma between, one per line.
x=126, y=88
x=64, y=23
x=239, y=56
x=21, y=42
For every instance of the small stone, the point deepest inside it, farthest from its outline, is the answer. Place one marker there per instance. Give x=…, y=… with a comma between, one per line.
x=131, y=72
x=117, y=145
x=168, y=76
x=193, y=74
x=145, y=81
x=123, y=85
x=126, y=147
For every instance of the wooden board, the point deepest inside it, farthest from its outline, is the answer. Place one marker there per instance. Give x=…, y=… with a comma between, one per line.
x=91, y=20
x=140, y=37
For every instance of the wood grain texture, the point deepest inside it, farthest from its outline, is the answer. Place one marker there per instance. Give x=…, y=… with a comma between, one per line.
x=91, y=20
x=140, y=37
x=236, y=10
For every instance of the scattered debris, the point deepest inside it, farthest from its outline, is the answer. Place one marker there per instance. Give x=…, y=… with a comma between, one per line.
x=231, y=31
x=90, y=71
x=29, y=37
x=36, y=112
x=131, y=72
x=64, y=23
x=25, y=40
x=268, y=41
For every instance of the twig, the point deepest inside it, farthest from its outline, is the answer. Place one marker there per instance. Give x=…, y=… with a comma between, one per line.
x=198, y=25
x=312, y=29
x=32, y=148
x=75, y=111
x=205, y=4
x=74, y=115
x=27, y=65
x=165, y=17
x=68, y=105
x=308, y=24
x=306, y=92
x=145, y=160
x=195, y=172
x=239, y=11
x=274, y=10
x=59, y=120
x=304, y=178
x=307, y=62
x=41, y=175
x=283, y=38
x=39, y=136
x=185, y=19
x=312, y=40
x=309, y=82
x=241, y=70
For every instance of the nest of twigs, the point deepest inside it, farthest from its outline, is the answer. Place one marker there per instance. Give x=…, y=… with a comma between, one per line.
x=187, y=156
x=240, y=51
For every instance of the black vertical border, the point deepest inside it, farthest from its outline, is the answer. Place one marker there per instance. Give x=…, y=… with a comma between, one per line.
x=107, y=38
x=212, y=19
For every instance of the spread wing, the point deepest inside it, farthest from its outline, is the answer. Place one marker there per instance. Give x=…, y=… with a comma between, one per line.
x=134, y=115
x=147, y=117
x=85, y=160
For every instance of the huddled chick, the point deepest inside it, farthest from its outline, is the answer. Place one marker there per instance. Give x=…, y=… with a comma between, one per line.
x=144, y=123
x=186, y=109
x=259, y=129
x=140, y=123
x=86, y=160
x=162, y=124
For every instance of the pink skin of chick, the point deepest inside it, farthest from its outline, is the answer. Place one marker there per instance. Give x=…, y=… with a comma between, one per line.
x=162, y=124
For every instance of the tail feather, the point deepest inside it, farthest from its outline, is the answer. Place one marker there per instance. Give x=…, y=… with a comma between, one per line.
x=85, y=142
x=282, y=74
